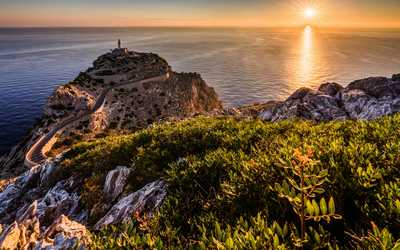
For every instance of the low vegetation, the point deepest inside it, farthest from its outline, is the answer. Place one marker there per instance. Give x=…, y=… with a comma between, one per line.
x=256, y=185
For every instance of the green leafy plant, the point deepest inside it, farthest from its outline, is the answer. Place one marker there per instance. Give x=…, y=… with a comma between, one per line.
x=310, y=176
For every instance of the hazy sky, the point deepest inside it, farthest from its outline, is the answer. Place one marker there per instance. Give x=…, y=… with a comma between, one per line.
x=70, y=13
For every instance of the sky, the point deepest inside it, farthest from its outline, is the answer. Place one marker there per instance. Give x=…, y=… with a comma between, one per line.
x=215, y=13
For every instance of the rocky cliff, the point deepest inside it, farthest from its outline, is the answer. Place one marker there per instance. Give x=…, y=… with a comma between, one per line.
x=128, y=108
x=365, y=99
x=37, y=212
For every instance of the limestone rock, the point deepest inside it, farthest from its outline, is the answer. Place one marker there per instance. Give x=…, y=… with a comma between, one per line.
x=374, y=86
x=63, y=234
x=148, y=199
x=396, y=78
x=114, y=183
x=223, y=112
x=365, y=99
x=29, y=213
x=9, y=238
x=330, y=88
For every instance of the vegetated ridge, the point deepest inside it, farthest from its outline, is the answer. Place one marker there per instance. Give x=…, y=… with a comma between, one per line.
x=221, y=182
x=131, y=105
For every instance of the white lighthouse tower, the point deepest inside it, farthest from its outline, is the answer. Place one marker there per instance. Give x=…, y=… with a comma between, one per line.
x=119, y=50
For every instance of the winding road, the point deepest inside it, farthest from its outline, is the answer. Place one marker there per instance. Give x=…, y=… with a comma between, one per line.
x=35, y=155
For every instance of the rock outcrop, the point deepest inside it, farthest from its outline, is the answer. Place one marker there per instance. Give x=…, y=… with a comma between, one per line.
x=130, y=107
x=115, y=182
x=42, y=208
x=24, y=233
x=146, y=200
x=365, y=99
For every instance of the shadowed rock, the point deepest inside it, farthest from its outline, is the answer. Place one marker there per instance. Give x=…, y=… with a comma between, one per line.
x=148, y=199
x=114, y=184
x=374, y=86
x=9, y=238
x=330, y=88
x=365, y=99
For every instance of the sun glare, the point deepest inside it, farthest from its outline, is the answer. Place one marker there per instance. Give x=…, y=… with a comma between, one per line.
x=309, y=12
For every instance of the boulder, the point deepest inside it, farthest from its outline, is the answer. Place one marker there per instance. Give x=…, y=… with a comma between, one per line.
x=374, y=86
x=223, y=112
x=9, y=238
x=365, y=99
x=114, y=183
x=396, y=78
x=330, y=88
x=29, y=213
x=63, y=234
x=146, y=200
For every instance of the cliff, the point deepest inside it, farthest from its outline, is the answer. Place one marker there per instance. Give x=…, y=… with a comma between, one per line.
x=132, y=103
x=365, y=99
x=191, y=184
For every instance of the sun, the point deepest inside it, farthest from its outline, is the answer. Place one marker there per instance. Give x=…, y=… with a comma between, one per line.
x=309, y=12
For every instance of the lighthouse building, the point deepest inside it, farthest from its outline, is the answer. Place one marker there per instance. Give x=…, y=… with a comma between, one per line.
x=119, y=50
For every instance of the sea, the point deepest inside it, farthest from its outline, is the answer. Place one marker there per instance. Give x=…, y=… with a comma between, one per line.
x=244, y=65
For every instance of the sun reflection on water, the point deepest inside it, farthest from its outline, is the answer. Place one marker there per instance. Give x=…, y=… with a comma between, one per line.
x=307, y=66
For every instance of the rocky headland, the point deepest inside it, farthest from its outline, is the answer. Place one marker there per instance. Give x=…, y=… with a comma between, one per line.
x=46, y=207
x=132, y=104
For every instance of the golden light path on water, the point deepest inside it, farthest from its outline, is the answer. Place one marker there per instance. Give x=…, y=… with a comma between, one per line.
x=307, y=66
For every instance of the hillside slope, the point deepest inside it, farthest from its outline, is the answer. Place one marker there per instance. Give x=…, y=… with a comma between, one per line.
x=128, y=108
x=221, y=175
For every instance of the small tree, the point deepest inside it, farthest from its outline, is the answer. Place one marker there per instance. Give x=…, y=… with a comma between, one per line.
x=311, y=178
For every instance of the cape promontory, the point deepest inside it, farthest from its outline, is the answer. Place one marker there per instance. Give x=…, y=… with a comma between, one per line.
x=131, y=89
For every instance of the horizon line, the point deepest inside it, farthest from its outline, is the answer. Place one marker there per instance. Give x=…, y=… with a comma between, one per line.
x=209, y=26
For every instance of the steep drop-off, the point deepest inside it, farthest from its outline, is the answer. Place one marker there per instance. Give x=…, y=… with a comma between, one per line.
x=128, y=108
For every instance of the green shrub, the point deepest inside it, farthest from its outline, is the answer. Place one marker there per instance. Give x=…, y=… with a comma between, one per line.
x=49, y=154
x=68, y=141
x=102, y=135
x=79, y=137
x=228, y=175
x=58, y=144
x=113, y=125
x=87, y=131
x=58, y=107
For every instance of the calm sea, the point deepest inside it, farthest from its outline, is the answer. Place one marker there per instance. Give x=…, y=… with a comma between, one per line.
x=245, y=66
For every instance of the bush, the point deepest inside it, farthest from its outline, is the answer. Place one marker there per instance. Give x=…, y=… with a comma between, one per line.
x=49, y=154
x=226, y=180
x=68, y=141
x=79, y=137
x=58, y=107
x=102, y=135
x=87, y=131
x=58, y=144
x=113, y=125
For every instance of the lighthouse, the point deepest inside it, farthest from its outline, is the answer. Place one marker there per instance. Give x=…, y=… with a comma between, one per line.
x=119, y=50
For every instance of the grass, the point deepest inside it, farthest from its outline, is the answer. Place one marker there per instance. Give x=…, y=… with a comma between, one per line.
x=223, y=193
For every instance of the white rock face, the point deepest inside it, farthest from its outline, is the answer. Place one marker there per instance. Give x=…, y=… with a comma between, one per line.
x=114, y=184
x=148, y=199
x=63, y=234
x=25, y=233
x=365, y=99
